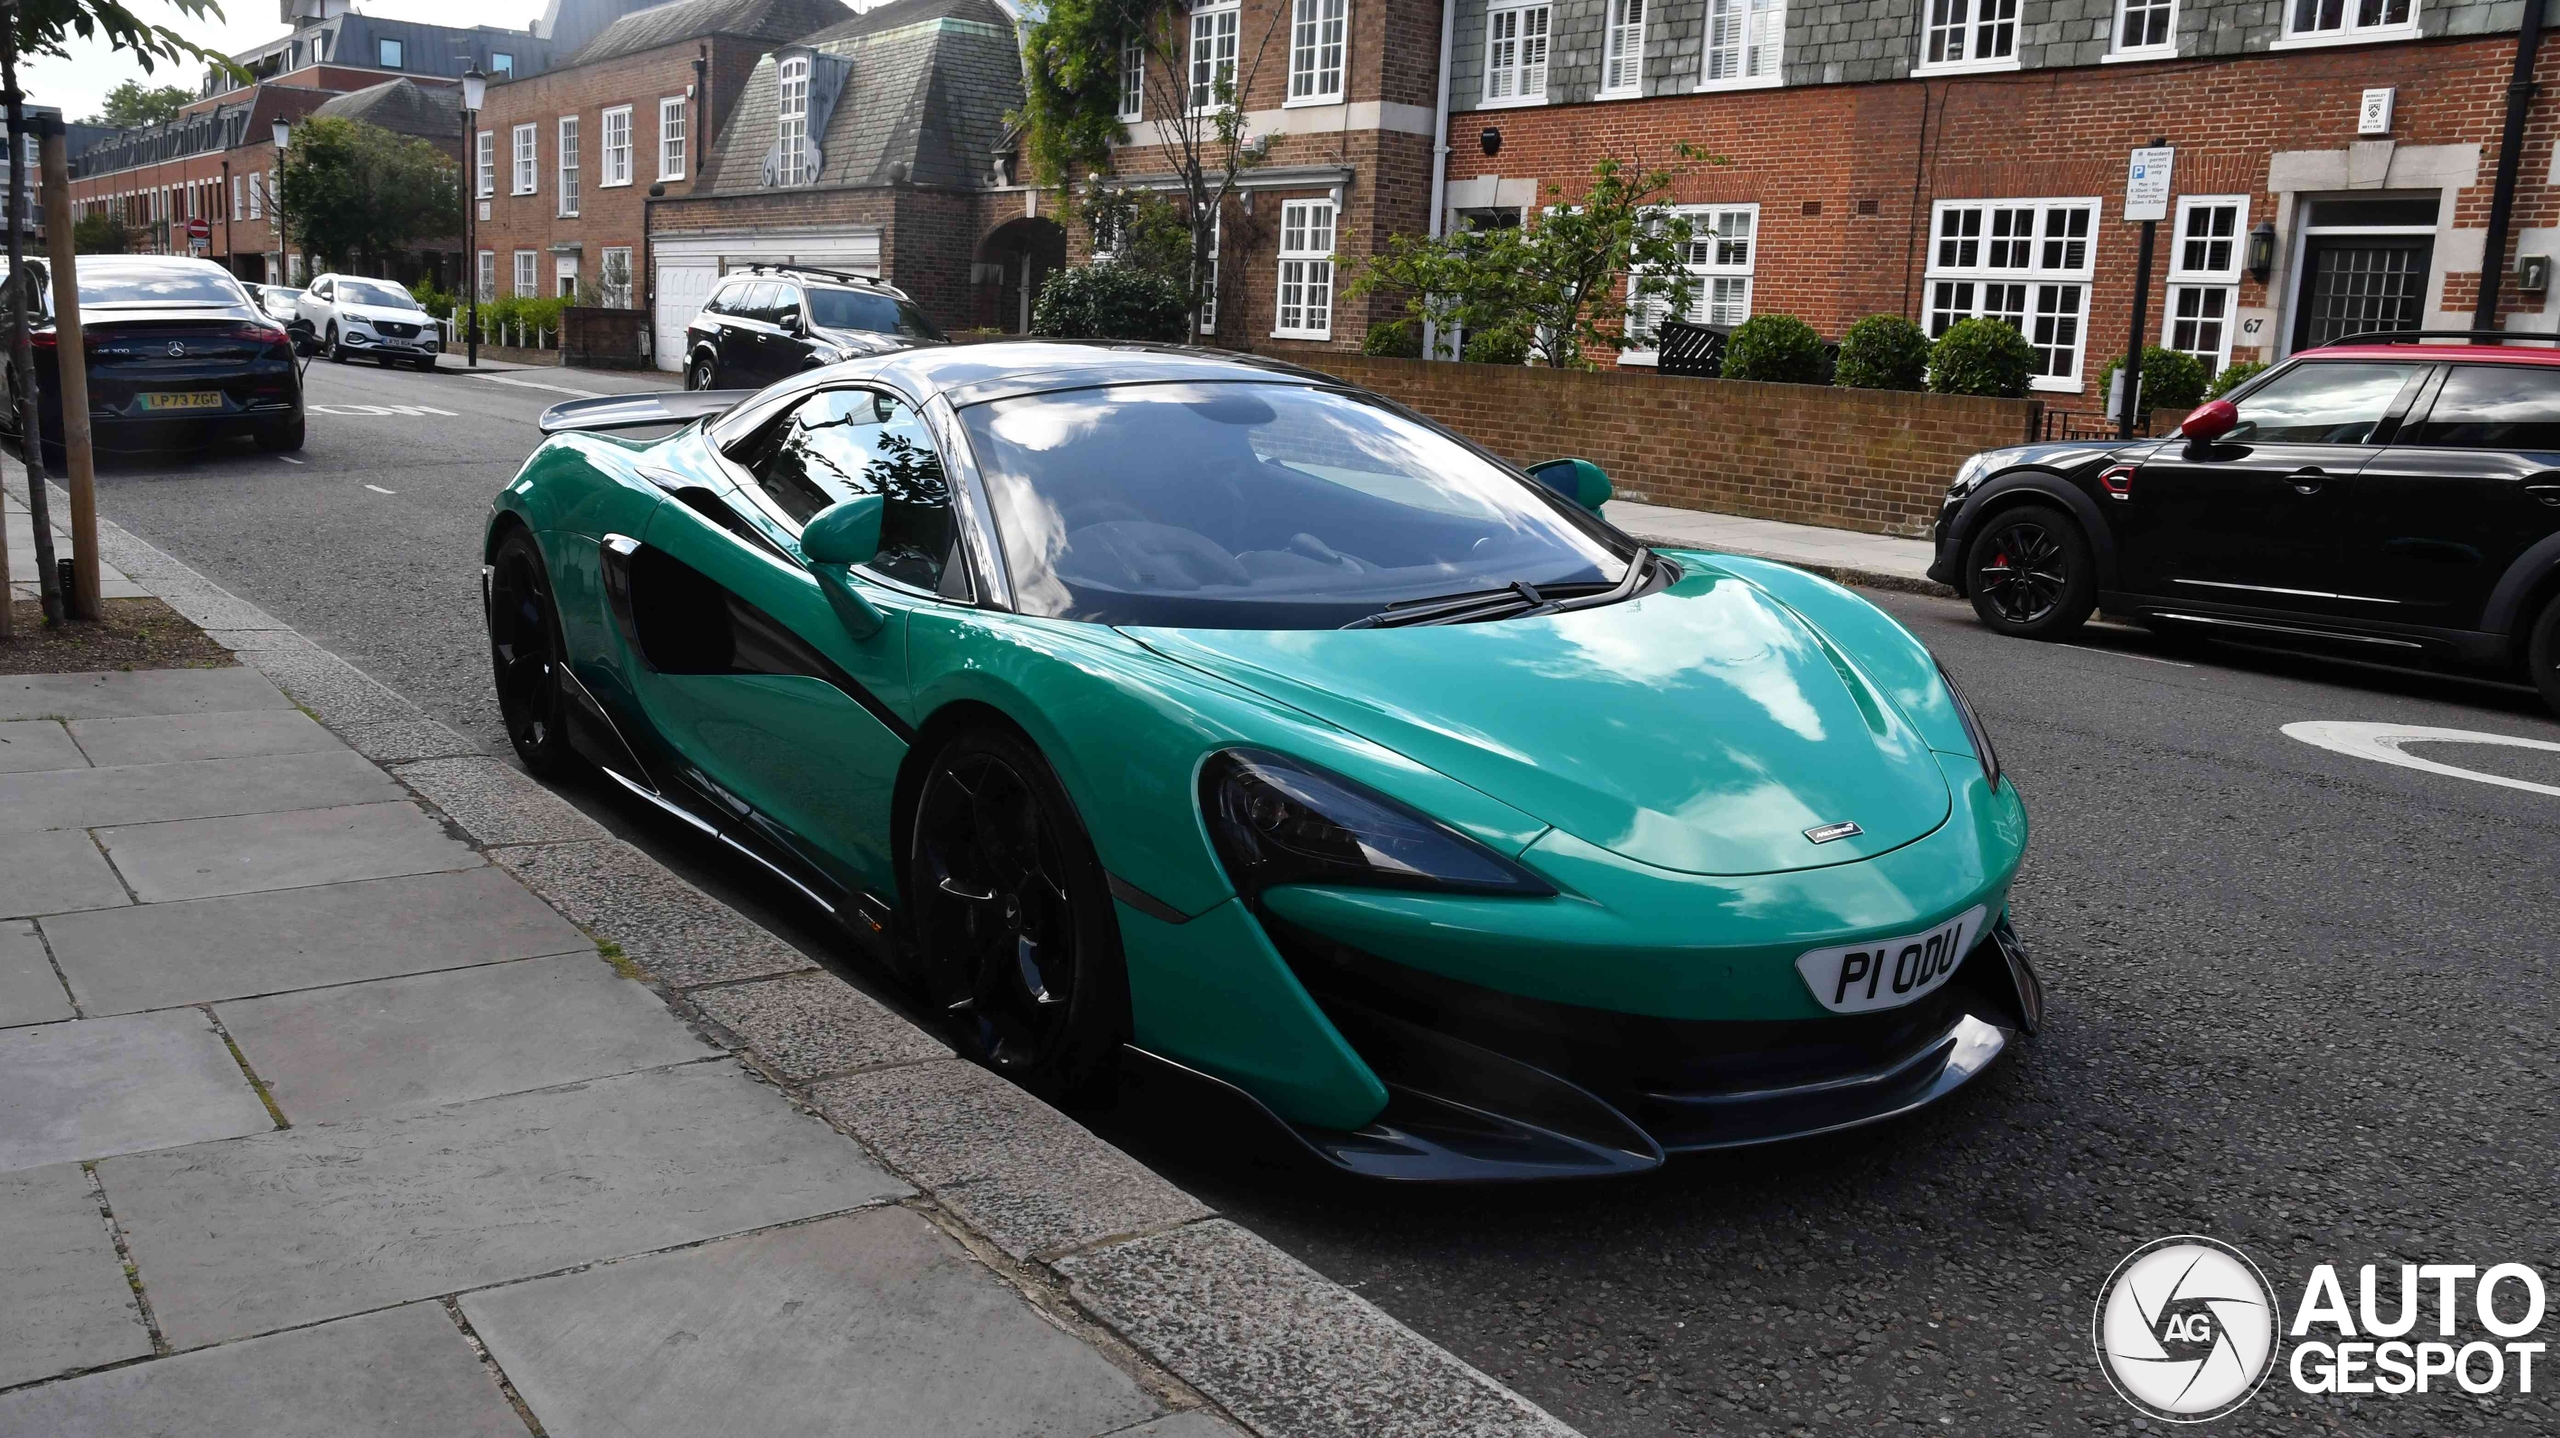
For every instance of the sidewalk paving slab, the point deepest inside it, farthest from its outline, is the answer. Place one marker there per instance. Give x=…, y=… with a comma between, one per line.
x=116, y=694
x=873, y=1325
x=30, y=991
x=667, y=926
x=315, y=1223
x=241, y=945
x=54, y=871
x=402, y=1373
x=199, y=789
x=398, y=1045
x=813, y=1024
x=95, y=1087
x=175, y=738
x=69, y=1304
x=497, y=803
x=239, y=854
x=33, y=745
x=1849, y=556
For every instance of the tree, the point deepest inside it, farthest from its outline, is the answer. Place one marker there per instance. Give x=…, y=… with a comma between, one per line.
x=1548, y=288
x=350, y=188
x=100, y=233
x=1070, y=116
x=46, y=27
x=133, y=106
x=1139, y=229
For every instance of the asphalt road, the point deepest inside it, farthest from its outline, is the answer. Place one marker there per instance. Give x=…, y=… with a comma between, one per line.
x=2299, y=1001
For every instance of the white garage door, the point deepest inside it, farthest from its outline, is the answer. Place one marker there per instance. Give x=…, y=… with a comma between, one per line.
x=689, y=265
x=682, y=287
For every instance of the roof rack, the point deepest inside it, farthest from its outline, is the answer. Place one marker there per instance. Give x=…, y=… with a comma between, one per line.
x=845, y=276
x=2410, y=337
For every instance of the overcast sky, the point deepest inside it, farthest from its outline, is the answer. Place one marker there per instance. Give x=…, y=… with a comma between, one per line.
x=80, y=83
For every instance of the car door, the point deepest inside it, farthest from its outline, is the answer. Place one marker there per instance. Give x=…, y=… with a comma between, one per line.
x=799, y=723
x=779, y=346
x=2469, y=482
x=2256, y=518
x=313, y=308
x=741, y=325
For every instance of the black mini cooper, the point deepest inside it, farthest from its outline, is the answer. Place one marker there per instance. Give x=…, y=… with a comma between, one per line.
x=2386, y=498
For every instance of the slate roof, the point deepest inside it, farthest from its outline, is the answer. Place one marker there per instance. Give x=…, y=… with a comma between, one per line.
x=931, y=83
x=775, y=20
x=404, y=107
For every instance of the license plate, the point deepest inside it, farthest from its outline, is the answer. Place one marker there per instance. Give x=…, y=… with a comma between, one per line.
x=1888, y=973
x=190, y=399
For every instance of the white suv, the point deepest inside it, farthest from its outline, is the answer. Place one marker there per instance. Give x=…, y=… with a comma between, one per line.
x=349, y=315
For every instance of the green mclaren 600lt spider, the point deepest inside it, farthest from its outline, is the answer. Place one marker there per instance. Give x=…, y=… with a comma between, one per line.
x=1147, y=705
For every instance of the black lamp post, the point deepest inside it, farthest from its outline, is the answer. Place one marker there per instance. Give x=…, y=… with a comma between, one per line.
x=475, y=88
x=282, y=133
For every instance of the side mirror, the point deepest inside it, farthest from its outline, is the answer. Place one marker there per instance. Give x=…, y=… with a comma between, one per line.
x=841, y=536
x=2210, y=421
x=1579, y=480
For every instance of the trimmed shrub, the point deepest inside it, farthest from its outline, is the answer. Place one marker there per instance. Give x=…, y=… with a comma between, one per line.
x=1982, y=356
x=2171, y=381
x=1503, y=346
x=1393, y=339
x=2232, y=377
x=1109, y=302
x=1775, y=349
x=1883, y=352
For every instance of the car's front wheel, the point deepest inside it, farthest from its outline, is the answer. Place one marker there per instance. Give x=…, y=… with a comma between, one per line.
x=1013, y=917
x=2030, y=573
x=337, y=351
x=2542, y=653
x=526, y=650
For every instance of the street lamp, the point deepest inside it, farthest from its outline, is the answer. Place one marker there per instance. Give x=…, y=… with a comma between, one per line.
x=475, y=88
x=282, y=132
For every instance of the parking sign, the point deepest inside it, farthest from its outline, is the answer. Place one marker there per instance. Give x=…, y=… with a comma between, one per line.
x=2146, y=184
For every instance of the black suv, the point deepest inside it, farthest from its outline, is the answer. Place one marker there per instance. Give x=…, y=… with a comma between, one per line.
x=764, y=323
x=2384, y=498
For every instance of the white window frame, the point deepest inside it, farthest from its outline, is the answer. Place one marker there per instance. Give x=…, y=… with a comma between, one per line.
x=1745, y=45
x=1724, y=251
x=528, y=274
x=2192, y=271
x=613, y=157
x=1306, y=267
x=392, y=54
x=525, y=153
x=484, y=161
x=1973, y=31
x=1209, y=300
x=1215, y=31
x=238, y=207
x=621, y=298
x=791, y=118
x=565, y=166
x=257, y=196
x=1319, y=51
x=674, y=138
x=2349, y=30
x=1622, y=50
x=487, y=273
x=2162, y=49
x=1133, y=79
x=1512, y=34
x=1993, y=267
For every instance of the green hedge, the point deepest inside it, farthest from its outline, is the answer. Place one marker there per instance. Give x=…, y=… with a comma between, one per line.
x=523, y=312
x=1883, y=352
x=2232, y=377
x=2171, y=380
x=1982, y=356
x=1775, y=349
x=1110, y=302
x=1393, y=339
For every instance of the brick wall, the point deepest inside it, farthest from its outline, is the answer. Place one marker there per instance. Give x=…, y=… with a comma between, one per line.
x=1867, y=460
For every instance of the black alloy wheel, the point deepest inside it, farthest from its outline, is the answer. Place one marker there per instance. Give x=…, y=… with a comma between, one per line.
x=697, y=375
x=1013, y=917
x=526, y=651
x=337, y=351
x=2542, y=653
x=2029, y=573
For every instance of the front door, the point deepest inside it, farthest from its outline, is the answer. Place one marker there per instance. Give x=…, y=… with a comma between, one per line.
x=2469, y=483
x=2365, y=263
x=2255, y=519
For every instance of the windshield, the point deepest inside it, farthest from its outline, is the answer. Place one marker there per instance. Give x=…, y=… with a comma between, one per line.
x=1255, y=506
x=868, y=310
x=374, y=292
x=171, y=286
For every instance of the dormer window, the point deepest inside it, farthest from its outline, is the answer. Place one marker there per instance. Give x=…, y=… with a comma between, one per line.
x=794, y=75
x=502, y=63
x=394, y=54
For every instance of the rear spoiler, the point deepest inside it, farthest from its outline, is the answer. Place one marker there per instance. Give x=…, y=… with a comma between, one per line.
x=639, y=411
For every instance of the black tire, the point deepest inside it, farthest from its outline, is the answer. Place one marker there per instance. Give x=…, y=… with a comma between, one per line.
x=697, y=375
x=282, y=436
x=2030, y=573
x=1012, y=918
x=336, y=351
x=427, y=365
x=526, y=653
x=2542, y=653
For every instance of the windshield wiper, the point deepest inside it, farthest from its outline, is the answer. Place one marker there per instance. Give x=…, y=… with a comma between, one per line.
x=1518, y=599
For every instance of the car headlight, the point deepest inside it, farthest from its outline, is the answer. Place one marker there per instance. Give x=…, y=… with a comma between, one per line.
x=1973, y=729
x=1276, y=820
x=1969, y=473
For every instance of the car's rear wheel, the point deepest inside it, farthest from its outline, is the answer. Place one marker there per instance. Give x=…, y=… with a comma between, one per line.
x=1012, y=915
x=697, y=375
x=526, y=650
x=2030, y=574
x=2542, y=653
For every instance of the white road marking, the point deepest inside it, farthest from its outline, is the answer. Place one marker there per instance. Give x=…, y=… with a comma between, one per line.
x=2381, y=743
x=554, y=388
x=289, y=459
x=412, y=411
x=378, y=489
x=2127, y=654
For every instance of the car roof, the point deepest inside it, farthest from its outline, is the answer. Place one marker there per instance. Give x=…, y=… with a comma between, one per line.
x=2428, y=352
x=1001, y=369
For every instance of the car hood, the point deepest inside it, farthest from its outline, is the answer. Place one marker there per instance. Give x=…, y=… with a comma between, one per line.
x=1703, y=728
x=371, y=313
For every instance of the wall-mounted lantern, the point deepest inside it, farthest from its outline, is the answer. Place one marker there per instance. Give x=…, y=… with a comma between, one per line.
x=2262, y=251
x=1491, y=140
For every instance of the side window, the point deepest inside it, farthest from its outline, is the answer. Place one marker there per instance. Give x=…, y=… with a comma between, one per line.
x=2493, y=407
x=718, y=304
x=2321, y=404
x=764, y=302
x=786, y=305
x=839, y=443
